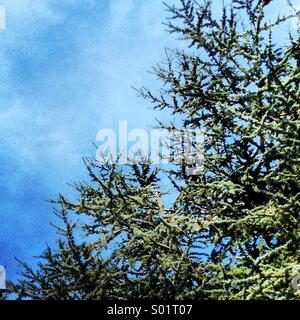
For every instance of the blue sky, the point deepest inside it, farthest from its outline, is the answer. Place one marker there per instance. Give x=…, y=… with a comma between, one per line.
x=66, y=68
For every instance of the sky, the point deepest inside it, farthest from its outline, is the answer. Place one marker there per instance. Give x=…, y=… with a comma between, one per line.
x=66, y=71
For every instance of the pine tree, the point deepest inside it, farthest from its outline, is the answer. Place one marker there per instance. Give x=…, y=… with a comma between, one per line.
x=233, y=230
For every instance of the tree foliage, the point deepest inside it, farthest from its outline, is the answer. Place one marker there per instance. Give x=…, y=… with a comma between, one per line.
x=232, y=232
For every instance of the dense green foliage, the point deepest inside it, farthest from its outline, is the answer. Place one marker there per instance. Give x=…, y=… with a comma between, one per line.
x=233, y=231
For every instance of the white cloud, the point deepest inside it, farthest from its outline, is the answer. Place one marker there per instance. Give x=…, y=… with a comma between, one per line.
x=150, y=16
x=295, y=24
x=25, y=15
x=33, y=136
x=2, y=17
x=119, y=12
x=139, y=17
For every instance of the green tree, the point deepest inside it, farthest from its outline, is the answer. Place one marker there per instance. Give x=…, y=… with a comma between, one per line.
x=232, y=232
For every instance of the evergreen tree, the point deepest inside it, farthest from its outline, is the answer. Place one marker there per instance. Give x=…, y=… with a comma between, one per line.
x=233, y=230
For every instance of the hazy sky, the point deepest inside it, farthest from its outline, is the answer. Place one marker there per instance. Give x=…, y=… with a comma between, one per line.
x=66, y=68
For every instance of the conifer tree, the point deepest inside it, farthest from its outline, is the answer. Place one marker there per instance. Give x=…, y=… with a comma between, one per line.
x=232, y=231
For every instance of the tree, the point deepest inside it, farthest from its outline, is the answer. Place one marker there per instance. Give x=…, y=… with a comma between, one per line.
x=232, y=231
